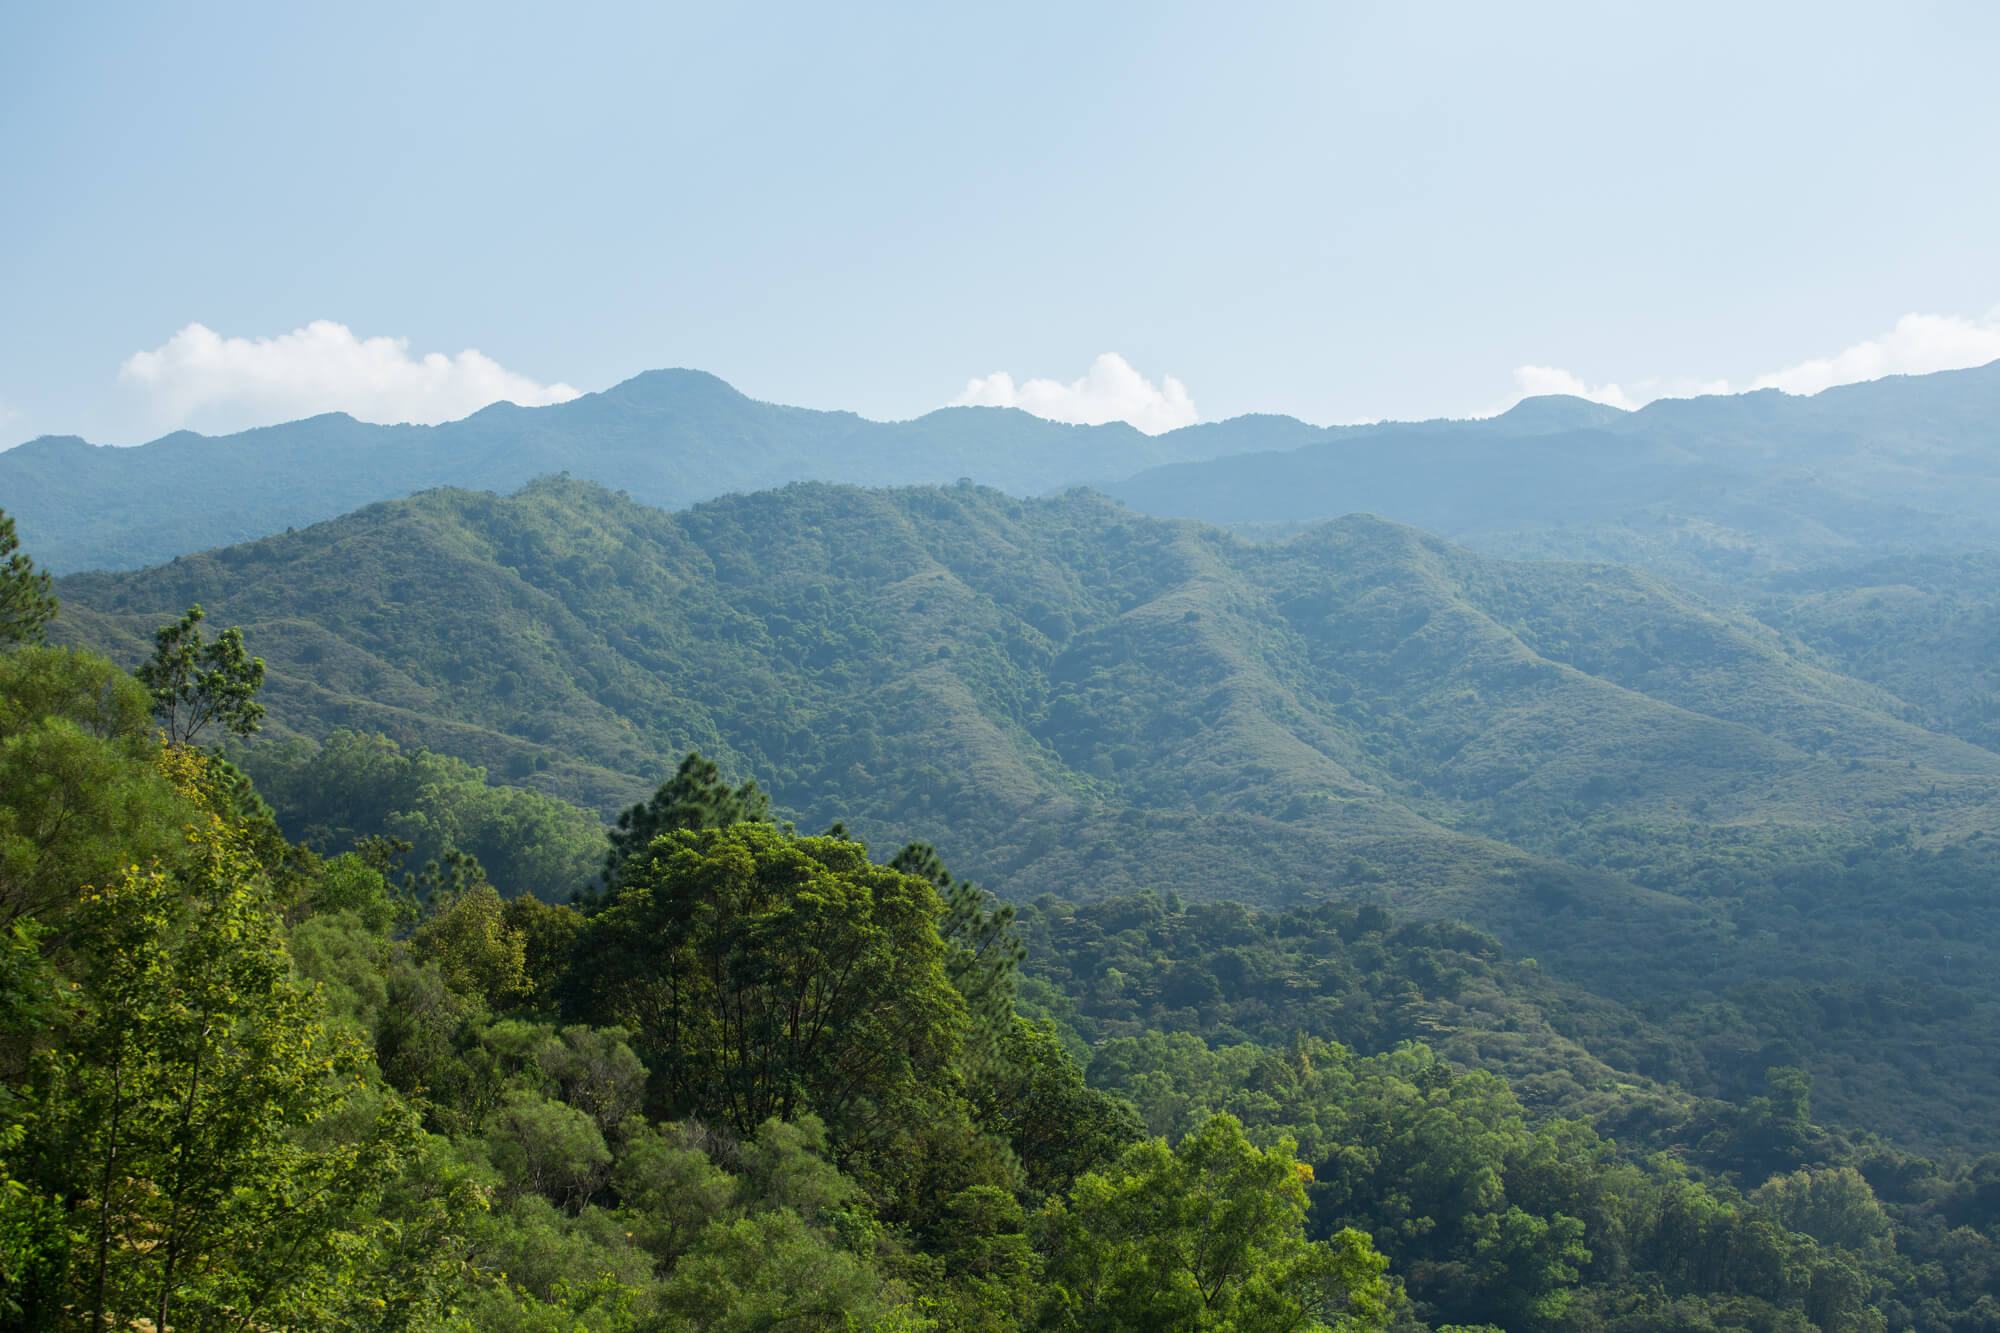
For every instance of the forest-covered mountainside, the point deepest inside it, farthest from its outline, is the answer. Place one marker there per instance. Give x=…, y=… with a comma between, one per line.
x=669, y=437
x=1669, y=802
x=1719, y=486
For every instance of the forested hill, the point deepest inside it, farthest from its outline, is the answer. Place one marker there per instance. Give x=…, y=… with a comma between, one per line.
x=1639, y=788
x=1720, y=486
x=670, y=437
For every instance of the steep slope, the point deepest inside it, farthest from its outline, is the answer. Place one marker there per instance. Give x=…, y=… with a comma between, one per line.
x=1927, y=628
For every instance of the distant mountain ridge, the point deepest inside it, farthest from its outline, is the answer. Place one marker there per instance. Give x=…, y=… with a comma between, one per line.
x=668, y=437
x=1725, y=487
x=1745, y=484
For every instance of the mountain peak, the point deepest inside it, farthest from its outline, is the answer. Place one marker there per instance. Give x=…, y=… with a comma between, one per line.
x=1551, y=413
x=49, y=444
x=655, y=388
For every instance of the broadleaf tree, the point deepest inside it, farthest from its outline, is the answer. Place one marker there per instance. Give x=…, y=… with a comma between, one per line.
x=764, y=975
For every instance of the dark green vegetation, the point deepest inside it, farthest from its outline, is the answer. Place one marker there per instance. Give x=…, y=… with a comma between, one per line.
x=26, y=604
x=1724, y=486
x=1685, y=810
x=670, y=437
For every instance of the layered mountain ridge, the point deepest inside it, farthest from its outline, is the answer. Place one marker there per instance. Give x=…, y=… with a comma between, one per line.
x=669, y=437
x=1722, y=487
x=1730, y=487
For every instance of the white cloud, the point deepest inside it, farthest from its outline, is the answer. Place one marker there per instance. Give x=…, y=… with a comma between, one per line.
x=1112, y=391
x=1535, y=381
x=1918, y=345
x=199, y=377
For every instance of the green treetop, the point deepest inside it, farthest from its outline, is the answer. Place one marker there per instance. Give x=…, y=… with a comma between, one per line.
x=763, y=975
x=695, y=797
x=1208, y=1235
x=26, y=604
x=196, y=684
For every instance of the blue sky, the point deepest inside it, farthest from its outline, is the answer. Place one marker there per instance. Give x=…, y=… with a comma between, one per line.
x=1340, y=211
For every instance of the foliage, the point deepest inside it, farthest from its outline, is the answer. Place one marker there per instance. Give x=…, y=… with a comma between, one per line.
x=80, y=797
x=982, y=949
x=196, y=685
x=176, y=1116
x=762, y=973
x=355, y=786
x=26, y=604
x=695, y=797
x=467, y=939
x=768, y=1082
x=1207, y=1235
x=1033, y=1094
x=1669, y=802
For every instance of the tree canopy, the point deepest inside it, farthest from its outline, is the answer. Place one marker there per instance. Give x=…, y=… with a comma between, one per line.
x=761, y=973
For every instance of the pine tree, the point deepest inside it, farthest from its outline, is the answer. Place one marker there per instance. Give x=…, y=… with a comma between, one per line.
x=26, y=604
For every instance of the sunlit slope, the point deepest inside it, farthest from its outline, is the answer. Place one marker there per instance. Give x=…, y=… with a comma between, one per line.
x=1539, y=694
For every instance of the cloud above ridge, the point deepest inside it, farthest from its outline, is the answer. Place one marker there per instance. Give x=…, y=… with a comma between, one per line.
x=199, y=377
x=1536, y=381
x=1111, y=391
x=1917, y=345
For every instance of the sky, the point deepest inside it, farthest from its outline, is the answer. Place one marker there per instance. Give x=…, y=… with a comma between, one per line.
x=227, y=215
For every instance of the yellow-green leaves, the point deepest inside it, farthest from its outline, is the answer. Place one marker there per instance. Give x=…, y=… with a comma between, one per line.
x=1210, y=1236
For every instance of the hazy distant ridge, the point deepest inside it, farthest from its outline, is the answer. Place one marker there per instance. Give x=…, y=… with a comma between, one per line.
x=1722, y=485
x=669, y=437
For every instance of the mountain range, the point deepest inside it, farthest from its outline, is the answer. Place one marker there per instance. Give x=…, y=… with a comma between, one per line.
x=669, y=438
x=1725, y=486
x=1738, y=780
x=1717, y=487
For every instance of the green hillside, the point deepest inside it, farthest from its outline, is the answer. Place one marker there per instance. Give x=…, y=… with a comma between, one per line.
x=1616, y=777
